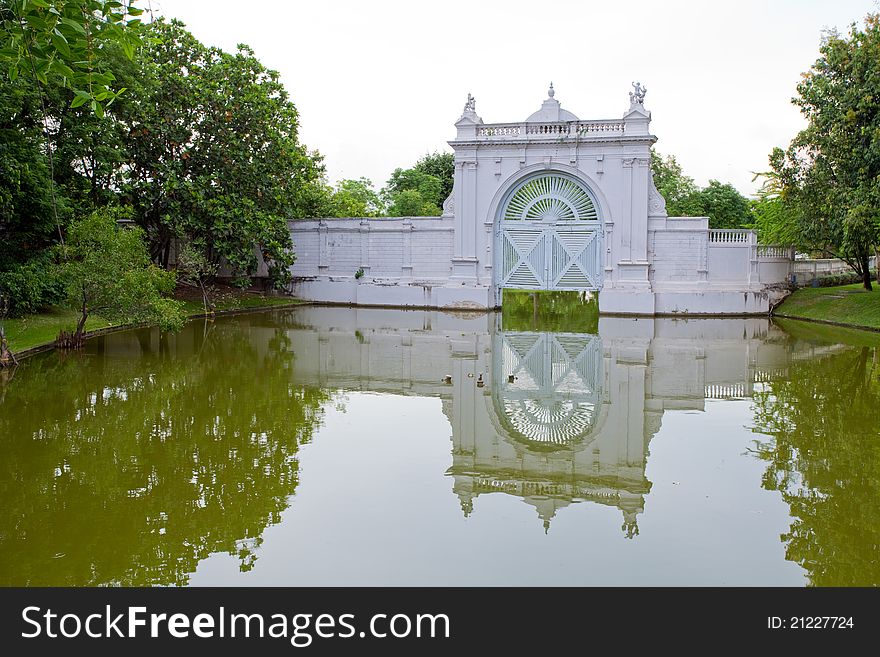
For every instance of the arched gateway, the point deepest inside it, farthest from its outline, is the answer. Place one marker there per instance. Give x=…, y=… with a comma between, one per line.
x=552, y=202
x=548, y=235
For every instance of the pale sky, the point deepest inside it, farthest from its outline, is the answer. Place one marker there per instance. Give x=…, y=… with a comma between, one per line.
x=380, y=83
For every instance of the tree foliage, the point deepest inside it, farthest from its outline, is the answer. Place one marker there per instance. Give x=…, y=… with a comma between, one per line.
x=829, y=177
x=27, y=223
x=61, y=42
x=420, y=190
x=106, y=269
x=202, y=146
x=720, y=202
x=442, y=167
x=724, y=205
x=196, y=269
x=353, y=198
x=676, y=188
x=213, y=154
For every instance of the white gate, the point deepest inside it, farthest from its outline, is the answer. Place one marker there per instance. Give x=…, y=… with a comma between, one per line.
x=549, y=236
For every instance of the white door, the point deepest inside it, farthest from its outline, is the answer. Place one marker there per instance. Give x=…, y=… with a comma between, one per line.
x=549, y=236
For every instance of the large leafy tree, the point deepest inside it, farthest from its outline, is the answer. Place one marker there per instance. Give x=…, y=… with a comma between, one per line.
x=54, y=56
x=213, y=154
x=411, y=192
x=773, y=218
x=26, y=219
x=56, y=78
x=829, y=177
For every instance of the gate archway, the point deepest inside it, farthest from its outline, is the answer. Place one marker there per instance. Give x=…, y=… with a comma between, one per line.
x=549, y=236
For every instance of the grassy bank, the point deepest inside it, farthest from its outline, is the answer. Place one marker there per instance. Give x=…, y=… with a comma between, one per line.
x=846, y=305
x=36, y=330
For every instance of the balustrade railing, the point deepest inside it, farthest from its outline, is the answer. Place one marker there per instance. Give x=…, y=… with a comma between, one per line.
x=729, y=236
x=555, y=129
x=769, y=252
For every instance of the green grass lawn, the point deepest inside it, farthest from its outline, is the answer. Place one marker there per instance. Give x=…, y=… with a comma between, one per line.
x=35, y=330
x=851, y=305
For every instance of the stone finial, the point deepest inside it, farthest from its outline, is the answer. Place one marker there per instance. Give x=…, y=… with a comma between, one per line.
x=471, y=104
x=637, y=95
x=550, y=91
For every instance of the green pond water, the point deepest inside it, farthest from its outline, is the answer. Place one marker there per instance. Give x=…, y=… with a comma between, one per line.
x=544, y=446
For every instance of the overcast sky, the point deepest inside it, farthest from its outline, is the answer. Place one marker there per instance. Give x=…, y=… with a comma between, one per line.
x=380, y=83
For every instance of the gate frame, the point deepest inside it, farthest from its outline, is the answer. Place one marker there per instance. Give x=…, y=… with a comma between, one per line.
x=506, y=189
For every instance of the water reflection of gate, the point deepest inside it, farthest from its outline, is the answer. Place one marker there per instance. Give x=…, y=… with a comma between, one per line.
x=547, y=385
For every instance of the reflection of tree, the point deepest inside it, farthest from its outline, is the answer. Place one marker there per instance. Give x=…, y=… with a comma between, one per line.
x=549, y=311
x=824, y=457
x=131, y=470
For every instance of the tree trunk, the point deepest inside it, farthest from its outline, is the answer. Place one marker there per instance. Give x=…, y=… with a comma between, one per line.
x=7, y=358
x=866, y=272
x=81, y=324
x=209, y=307
x=877, y=264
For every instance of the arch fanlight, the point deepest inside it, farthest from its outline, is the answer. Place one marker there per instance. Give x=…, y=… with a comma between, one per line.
x=556, y=422
x=550, y=197
x=547, y=387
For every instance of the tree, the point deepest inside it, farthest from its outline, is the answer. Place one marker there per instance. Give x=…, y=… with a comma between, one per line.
x=213, y=154
x=195, y=268
x=53, y=63
x=721, y=202
x=106, y=269
x=27, y=224
x=829, y=173
x=411, y=192
x=724, y=205
x=442, y=167
x=676, y=188
x=354, y=198
x=773, y=217
x=422, y=189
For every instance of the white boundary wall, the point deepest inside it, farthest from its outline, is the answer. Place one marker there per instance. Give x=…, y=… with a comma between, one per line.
x=651, y=263
x=387, y=261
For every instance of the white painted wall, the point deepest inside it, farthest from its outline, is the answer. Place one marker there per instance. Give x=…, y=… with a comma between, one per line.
x=405, y=261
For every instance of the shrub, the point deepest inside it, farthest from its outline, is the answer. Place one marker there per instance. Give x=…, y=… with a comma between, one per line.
x=30, y=286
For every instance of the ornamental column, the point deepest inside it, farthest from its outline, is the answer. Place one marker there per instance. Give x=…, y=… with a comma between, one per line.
x=464, y=253
x=629, y=290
